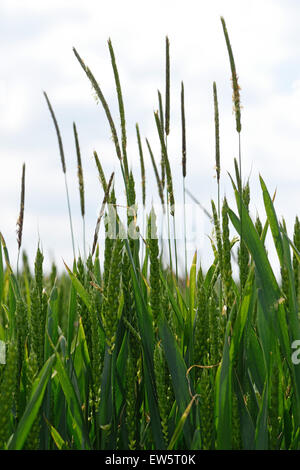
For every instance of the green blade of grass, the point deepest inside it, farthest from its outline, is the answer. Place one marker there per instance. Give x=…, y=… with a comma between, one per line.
x=179, y=427
x=79, y=427
x=147, y=339
x=294, y=324
x=178, y=370
x=256, y=247
x=59, y=442
x=261, y=433
x=106, y=404
x=257, y=365
x=83, y=294
x=223, y=397
x=178, y=312
x=33, y=406
x=272, y=218
x=246, y=309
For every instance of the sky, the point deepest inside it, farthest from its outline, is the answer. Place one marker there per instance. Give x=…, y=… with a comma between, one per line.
x=36, y=41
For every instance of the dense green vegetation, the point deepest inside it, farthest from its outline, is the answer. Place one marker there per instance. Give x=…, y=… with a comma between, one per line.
x=132, y=354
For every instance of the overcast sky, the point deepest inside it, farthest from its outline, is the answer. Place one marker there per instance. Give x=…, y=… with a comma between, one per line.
x=36, y=40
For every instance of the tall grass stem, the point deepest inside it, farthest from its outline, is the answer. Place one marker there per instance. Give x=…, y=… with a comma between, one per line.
x=21, y=216
x=70, y=216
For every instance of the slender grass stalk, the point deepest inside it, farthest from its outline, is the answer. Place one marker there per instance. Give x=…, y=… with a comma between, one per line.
x=81, y=185
x=169, y=233
x=143, y=178
x=175, y=248
x=121, y=108
x=184, y=228
x=61, y=150
x=162, y=165
x=167, y=106
x=100, y=171
x=227, y=270
x=161, y=192
x=63, y=163
x=240, y=166
x=21, y=215
x=218, y=170
x=164, y=145
x=167, y=164
x=217, y=138
x=234, y=77
x=161, y=117
x=169, y=190
x=237, y=111
x=105, y=106
x=103, y=102
x=183, y=148
x=206, y=212
x=69, y=211
x=183, y=133
x=158, y=180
